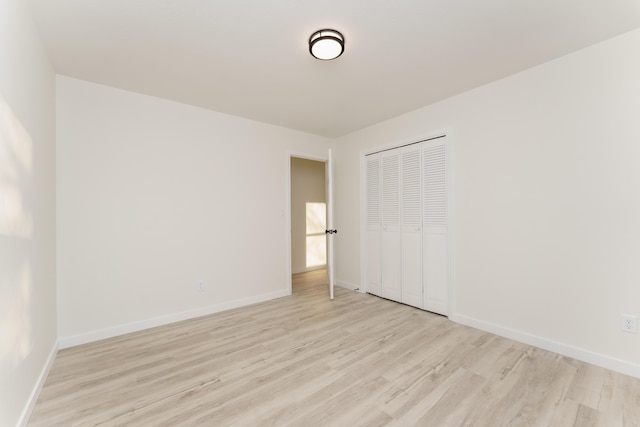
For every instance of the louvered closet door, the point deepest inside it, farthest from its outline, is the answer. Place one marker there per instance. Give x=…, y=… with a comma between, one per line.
x=374, y=220
x=435, y=226
x=390, y=235
x=411, y=218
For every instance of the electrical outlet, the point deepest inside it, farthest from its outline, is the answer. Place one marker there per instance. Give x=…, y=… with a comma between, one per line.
x=629, y=323
x=200, y=286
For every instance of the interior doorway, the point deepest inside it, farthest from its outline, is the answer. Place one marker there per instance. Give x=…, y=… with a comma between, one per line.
x=308, y=214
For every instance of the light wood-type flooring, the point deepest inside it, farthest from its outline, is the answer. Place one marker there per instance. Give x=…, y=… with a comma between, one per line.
x=304, y=360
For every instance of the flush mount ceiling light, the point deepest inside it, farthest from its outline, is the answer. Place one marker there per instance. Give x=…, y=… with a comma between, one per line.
x=326, y=44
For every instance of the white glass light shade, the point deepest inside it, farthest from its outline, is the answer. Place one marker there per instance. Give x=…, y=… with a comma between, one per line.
x=326, y=44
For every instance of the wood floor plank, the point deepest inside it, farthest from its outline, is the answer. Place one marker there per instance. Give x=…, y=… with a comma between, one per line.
x=305, y=360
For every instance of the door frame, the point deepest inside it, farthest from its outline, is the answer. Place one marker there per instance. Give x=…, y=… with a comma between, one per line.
x=449, y=134
x=300, y=155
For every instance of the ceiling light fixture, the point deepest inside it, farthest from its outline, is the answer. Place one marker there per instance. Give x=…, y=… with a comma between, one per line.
x=326, y=44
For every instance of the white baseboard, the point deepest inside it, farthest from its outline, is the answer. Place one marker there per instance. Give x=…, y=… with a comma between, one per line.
x=164, y=320
x=33, y=397
x=347, y=285
x=597, y=359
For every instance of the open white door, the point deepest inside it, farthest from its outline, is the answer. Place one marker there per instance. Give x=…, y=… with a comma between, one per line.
x=330, y=231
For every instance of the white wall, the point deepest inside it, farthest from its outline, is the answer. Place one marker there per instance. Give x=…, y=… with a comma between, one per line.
x=27, y=213
x=547, y=200
x=307, y=186
x=155, y=196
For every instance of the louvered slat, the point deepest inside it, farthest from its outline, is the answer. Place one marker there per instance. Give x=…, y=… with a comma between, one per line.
x=390, y=190
x=373, y=191
x=435, y=186
x=411, y=186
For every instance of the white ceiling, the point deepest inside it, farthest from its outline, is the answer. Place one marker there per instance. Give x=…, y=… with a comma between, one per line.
x=250, y=58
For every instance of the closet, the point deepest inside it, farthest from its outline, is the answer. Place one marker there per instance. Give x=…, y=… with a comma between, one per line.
x=407, y=230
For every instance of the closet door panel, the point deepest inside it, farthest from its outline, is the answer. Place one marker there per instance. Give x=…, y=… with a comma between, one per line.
x=374, y=219
x=411, y=235
x=435, y=187
x=390, y=239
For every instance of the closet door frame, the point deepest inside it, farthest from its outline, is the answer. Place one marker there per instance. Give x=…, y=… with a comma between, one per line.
x=450, y=208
